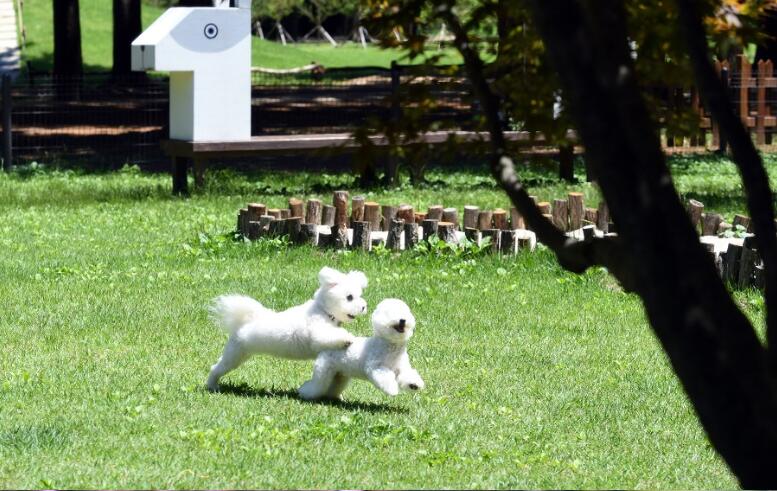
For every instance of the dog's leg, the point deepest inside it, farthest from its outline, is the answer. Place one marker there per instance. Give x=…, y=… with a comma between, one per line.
x=384, y=379
x=330, y=338
x=233, y=356
x=338, y=385
x=407, y=377
x=318, y=385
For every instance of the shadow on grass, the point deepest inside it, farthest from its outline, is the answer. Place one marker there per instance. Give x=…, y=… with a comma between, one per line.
x=245, y=390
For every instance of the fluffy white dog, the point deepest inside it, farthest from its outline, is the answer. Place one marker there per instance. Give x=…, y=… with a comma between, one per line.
x=298, y=333
x=382, y=359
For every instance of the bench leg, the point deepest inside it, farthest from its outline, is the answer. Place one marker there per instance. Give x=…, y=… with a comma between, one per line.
x=180, y=186
x=199, y=172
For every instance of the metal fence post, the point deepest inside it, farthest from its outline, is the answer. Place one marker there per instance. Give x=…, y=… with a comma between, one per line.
x=7, y=140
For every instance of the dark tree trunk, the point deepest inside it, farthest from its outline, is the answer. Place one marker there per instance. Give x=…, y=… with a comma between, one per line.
x=710, y=343
x=126, y=27
x=67, y=38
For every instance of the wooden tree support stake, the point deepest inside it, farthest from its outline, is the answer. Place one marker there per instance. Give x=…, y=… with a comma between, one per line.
x=372, y=215
x=328, y=216
x=394, y=237
x=451, y=215
x=411, y=235
x=576, y=210
x=447, y=232
x=429, y=227
x=484, y=220
x=296, y=207
x=361, y=236
x=499, y=219
x=313, y=212
x=471, y=216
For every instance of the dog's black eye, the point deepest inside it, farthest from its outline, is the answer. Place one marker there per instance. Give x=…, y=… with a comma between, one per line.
x=349, y=297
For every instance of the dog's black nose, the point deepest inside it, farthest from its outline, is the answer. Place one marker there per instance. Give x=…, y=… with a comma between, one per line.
x=401, y=322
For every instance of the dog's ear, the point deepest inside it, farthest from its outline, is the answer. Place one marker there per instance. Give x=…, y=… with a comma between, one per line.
x=359, y=277
x=329, y=277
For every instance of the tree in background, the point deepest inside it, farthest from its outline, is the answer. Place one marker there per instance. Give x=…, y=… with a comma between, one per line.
x=67, y=38
x=317, y=11
x=603, y=57
x=275, y=10
x=126, y=27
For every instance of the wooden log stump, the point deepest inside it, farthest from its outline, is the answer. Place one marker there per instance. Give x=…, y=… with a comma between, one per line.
x=275, y=213
x=471, y=216
x=591, y=215
x=724, y=227
x=484, y=220
x=548, y=217
x=357, y=209
x=285, y=213
x=277, y=227
x=434, y=212
x=255, y=210
x=759, y=280
x=508, y=242
x=499, y=219
x=710, y=223
x=603, y=217
x=576, y=210
x=589, y=232
x=447, y=232
x=242, y=222
x=429, y=228
x=419, y=217
x=472, y=234
x=544, y=207
x=328, y=215
x=264, y=224
x=394, y=237
x=361, y=236
x=516, y=220
x=339, y=237
x=695, y=209
x=313, y=212
x=411, y=235
x=389, y=213
x=293, y=227
x=561, y=214
x=451, y=215
x=747, y=267
x=732, y=263
x=340, y=202
x=253, y=230
x=324, y=238
x=406, y=213
x=742, y=220
x=296, y=207
x=308, y=234
x=493, y=235
x=372, y=215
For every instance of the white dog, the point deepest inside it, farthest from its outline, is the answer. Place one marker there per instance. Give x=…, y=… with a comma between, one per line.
x=382, y=359
x=298, y=333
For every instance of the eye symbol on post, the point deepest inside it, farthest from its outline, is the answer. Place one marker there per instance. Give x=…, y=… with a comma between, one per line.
x=211, y=31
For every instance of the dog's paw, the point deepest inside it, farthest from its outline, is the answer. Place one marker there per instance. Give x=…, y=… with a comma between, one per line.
x=345, y=339
x=411, y=381
x=212, y=387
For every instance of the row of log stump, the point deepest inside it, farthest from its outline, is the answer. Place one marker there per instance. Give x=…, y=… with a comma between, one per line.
x=401, y=227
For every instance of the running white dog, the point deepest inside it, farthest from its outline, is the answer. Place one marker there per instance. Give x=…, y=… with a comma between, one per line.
x=382, y=359
x=298, y=333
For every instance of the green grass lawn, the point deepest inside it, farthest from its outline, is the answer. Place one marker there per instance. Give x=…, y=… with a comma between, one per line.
x=535, y=377
x=97, y=42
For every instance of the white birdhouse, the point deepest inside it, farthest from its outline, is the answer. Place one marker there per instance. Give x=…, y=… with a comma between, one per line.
x=207, y=51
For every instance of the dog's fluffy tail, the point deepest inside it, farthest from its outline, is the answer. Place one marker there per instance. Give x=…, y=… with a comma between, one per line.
x=231, y=312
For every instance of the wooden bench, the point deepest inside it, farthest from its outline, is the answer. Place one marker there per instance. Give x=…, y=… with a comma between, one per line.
x=183, y=152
